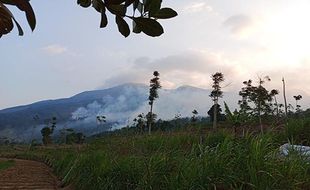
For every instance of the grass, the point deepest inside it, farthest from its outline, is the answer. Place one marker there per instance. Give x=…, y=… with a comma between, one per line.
x=217, y=160
x=6, y=164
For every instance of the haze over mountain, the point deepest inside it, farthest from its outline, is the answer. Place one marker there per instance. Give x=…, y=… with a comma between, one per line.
x=120, y=104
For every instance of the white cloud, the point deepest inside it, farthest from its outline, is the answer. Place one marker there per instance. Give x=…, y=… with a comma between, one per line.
x=190, y=67
x=198, y=7
x=240, y=25
x=55, y=49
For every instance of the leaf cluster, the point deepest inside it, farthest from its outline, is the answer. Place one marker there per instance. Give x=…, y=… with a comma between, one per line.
x=7, y=19
x=148, y=11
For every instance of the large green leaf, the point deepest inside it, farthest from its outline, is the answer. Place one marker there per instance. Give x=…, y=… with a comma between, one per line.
x=149, y=26
x=6, y=24
x=123, y=27
x=154, y=6
x=114, y=2
x=129, y=2
x=25, y=6
x=165, y=13
x=84, y=3
x=98, y=5
x=104, y=19
x=135, y=28
x=117, y=9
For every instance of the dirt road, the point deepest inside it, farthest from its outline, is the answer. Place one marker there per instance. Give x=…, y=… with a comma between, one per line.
x=26, y=175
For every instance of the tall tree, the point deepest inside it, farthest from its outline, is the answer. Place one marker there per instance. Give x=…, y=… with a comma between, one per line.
x=273, y=94
x=216, y=93
x=148, y=12
x=154, y=86
x=258, y=96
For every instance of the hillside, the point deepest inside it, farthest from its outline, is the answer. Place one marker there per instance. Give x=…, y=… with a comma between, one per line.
x=120, y=104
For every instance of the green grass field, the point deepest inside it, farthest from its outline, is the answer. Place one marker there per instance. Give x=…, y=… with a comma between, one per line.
x=182, y=160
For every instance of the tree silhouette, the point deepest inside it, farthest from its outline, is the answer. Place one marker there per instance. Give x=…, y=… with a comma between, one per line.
x=48, y=131
x=273, y=94
x=215, y=94
x=140, y=122
x=211, y=112
x=297, y=98
x=154, y=86
x=101, y=120
x=148, y=12
x=259, y=96
x=194, y=116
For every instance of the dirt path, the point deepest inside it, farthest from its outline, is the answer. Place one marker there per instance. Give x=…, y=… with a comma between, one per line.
x=26, y=175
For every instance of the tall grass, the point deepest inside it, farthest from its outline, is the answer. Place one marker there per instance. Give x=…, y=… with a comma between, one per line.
x=182, y=161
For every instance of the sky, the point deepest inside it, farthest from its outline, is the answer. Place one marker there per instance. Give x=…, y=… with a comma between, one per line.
x=68, y=53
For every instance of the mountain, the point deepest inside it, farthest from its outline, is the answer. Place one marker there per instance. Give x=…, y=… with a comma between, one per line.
x=120, y=105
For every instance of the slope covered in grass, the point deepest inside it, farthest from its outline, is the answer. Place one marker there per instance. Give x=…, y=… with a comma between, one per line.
x=182, y=160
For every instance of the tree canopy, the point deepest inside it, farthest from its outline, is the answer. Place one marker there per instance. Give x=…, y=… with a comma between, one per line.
x=144, y=15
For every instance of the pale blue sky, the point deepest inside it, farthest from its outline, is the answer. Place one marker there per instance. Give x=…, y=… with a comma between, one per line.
x=68, y=53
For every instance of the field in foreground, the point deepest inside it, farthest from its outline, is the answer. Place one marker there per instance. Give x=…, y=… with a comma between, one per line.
x=181, y=160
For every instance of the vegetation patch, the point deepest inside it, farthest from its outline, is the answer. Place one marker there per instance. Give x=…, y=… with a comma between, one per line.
x=6, y=164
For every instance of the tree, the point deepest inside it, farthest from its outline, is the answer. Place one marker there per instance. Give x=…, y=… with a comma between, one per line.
x=194, y=117
x=148, y=12
x=297, y=98
x=101, y=120
x=154, y=86
x=48, y=131
x=215, y=94
x=257, y=95
x=140, y=122
x=273, y=94
x=72, y=137
x=35, y=119
x=218, y=112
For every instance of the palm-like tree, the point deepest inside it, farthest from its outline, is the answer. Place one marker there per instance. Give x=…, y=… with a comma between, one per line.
x=154, y=86
x=216, y=93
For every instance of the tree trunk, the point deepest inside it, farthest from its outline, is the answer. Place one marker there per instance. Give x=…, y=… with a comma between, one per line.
x=275, y=99
x=284, y=96
x=151, y=119
x=260, y=118
x=215, y=115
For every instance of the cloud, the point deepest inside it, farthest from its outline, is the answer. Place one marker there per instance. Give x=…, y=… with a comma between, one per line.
x=191, y=67
x=198, y=7
x=240, y=25
x=55, y=49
